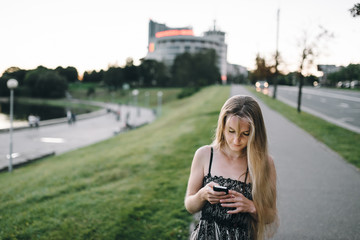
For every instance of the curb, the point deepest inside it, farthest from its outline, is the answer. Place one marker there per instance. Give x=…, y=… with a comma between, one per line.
x=25, y=161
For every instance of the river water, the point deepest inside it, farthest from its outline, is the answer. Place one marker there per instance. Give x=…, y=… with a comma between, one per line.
x=23, y=110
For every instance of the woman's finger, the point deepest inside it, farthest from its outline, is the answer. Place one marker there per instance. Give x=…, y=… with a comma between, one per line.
x=234, y=211
x=235, y=193
x=228, y=205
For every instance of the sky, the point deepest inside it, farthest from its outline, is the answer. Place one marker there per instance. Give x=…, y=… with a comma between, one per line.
x=93, y=34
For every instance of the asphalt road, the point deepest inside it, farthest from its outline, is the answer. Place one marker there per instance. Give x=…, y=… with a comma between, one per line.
x=33, y=143
x=341, y=107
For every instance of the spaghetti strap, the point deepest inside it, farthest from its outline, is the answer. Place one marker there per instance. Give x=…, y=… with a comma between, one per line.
x=211, y=158
x=247, y=170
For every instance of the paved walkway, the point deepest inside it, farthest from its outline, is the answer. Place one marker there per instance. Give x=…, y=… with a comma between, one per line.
x=56, y=136
x=319, y=193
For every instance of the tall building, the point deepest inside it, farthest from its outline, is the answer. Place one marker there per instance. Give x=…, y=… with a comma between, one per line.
x=166, y=43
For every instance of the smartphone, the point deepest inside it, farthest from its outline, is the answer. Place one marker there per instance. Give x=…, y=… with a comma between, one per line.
x=221, y=189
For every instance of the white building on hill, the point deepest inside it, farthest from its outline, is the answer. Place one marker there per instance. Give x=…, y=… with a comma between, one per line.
x=166, y=43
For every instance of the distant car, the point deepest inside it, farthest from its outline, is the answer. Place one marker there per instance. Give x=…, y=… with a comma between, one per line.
x=355, y=84
x=262, y=84
x=343, y=84
x=347, y=84
x=339, y=84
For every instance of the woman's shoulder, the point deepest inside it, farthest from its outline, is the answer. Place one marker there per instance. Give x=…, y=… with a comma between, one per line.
x=204, y=150
x=203, y=153
x=201, y=158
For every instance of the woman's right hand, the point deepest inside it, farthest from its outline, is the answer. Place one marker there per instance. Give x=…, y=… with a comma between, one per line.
x=212, y=196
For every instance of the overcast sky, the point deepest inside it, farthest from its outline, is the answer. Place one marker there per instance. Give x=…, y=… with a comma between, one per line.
x=90, y=35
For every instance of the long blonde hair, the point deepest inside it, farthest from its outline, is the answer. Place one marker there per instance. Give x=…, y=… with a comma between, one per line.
x=263, y=187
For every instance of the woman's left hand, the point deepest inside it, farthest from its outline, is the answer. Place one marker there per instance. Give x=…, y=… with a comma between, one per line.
x=239, y=202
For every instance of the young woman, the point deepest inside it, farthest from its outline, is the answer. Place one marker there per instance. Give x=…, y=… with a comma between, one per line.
x=237, y=159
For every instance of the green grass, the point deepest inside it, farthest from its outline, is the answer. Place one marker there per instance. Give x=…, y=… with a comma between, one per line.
x=131, y=186
x=342, y=141
x=120, y=96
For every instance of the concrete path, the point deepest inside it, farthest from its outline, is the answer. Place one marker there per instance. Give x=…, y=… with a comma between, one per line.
x=33, y=143
x=319, y=193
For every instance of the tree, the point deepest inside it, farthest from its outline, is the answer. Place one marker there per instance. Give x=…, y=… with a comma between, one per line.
x=114, y=78
x=355, y=11
x=131, y=73
x=93, y=77
x=45, y=83
x=262, y=71
x=288, y=79
x=50, y=84
x=4, y=91
x=207, y=72
x=17, y=73
x=195, y=70
x=310, y=50
x=12, y=72
x=70, y=73
x=153, y=73
x=182, y=71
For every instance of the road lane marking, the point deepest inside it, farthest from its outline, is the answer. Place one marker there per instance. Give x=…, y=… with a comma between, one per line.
x=52, y=140
x=344, y=105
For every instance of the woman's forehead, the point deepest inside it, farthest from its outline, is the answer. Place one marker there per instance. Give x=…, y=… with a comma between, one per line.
x=234, y=121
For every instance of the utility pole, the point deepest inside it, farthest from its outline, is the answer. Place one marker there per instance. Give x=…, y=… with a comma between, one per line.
x=276, y=54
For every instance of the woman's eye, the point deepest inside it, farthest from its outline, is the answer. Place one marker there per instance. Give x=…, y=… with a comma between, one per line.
x=246, y=134
x=231, y=131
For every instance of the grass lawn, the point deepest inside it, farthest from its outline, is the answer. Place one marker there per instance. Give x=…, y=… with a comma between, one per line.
x=342, y=141
x=131, y=186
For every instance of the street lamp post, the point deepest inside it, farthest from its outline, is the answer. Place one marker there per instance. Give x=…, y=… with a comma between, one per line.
x=159, y=95
x=11, y=84
x=135, y=92
x=147, y=96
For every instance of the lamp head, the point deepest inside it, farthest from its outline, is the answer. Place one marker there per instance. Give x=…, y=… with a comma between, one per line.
x=12, y=83
x=135, y=92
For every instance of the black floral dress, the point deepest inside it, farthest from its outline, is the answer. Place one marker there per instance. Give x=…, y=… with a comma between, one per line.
x=215, y=223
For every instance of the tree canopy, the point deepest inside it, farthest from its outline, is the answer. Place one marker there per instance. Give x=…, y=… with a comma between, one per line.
x=355, y=11
x=195, y=70
x=45, y=83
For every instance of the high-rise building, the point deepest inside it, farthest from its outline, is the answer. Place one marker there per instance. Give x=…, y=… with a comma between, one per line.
x=166, y=43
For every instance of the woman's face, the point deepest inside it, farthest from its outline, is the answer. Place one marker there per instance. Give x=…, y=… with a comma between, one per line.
x=236, y=132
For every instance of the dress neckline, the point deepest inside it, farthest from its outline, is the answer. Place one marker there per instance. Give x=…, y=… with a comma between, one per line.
x=226, y=179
